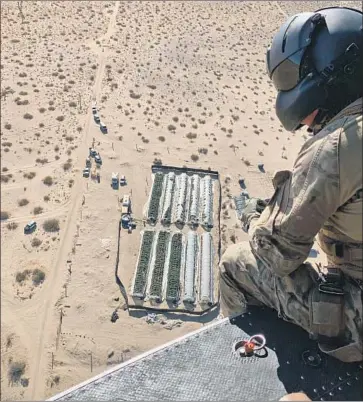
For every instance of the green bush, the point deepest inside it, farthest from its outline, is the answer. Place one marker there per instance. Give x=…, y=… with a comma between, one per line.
x=16, y=370
x=51, y=225
x=38, y=277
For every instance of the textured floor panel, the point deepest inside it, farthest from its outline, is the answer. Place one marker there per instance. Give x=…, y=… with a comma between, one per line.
x=204, y=366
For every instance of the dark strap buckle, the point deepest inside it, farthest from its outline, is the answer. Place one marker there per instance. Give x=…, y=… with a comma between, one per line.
x=333, y=275
x=339, y=250
x=331, y=289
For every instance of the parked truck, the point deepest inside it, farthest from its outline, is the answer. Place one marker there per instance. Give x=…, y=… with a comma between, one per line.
x=114, y=180
x=126, y=205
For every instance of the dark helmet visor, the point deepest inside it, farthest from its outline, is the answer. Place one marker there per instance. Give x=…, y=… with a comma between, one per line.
x=287, y=74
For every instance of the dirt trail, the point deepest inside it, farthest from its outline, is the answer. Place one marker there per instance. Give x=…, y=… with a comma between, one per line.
x=38, y=360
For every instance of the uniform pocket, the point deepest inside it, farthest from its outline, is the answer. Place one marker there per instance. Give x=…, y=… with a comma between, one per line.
x=278, y=205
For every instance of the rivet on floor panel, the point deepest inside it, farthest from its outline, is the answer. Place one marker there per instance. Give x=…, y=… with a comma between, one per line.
x=349, y=383
x=360, y=366
x=311, y=358
x=348, y=374
x=340, y=378
x=315, y=390
x=356, y=378
x=323, y=388
x=287, y=362
x=302, y=377
x=322, y=399
x=331, y=393
x=340, y=388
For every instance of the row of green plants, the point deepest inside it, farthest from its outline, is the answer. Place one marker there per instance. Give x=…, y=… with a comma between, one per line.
x=155, y=197
x=173, y=283
x=158, y=273
x=143, y=264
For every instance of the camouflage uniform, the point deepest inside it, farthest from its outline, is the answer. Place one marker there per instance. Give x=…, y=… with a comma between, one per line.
x=317, y=198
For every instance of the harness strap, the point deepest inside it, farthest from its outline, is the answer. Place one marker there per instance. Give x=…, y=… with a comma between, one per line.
x=326, y=305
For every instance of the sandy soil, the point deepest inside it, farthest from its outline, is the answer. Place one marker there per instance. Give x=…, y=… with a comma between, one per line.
x=183, y=82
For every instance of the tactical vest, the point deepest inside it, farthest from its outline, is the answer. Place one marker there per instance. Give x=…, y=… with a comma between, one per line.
x=341, y=236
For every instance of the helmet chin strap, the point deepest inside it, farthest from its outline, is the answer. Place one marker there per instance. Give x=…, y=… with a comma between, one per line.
x=320, y=121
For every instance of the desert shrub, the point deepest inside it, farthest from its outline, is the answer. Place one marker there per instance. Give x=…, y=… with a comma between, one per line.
x=7, y=126
x=194, y=157
x=4, y=215
x=134, y=96
x=41, y=160
x=37, y=210
x=4, y=178
x=36, y=242
x=72, y=104
x=51, y=225
x=12, y=225
x=67, y=166
x=161, y=138
x=38, y=277
x=203, y=151
x=29, y=175
x=16, y=370
x=21, y=276
x=60, y=118
x=191, y=136
x=158, y=161
x=23, y=202
x=46, y=198
x=28, y=116
x=171, y=127
x=56, y=148
x=48, y=180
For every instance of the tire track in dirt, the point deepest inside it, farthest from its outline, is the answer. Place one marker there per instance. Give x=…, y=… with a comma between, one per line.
x=38, y=359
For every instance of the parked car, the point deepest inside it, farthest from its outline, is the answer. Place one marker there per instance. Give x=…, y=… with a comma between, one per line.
x=103, y=127
x=97, y=118
x=123, y=181
x=86, y=172
x=94, y=109
x=30, y=227
x=92, y=152
x=98, y=159
x=88, y=162
x=114, y=180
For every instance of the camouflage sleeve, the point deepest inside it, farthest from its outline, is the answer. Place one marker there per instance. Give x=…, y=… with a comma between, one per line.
x=304, y=199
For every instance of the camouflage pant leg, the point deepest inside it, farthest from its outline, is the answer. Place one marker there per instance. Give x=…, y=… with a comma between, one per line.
x=242, y=276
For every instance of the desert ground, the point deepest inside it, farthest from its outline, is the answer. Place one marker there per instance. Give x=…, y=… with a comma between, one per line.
x=177, y=83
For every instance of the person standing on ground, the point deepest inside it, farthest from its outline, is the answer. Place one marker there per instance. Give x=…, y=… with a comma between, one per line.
x=315, y=62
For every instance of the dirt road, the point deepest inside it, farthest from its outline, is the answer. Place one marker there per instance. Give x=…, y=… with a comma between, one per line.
x=38, y=359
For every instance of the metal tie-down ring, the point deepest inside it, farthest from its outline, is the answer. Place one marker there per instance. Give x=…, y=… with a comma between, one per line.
x=240, y=348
